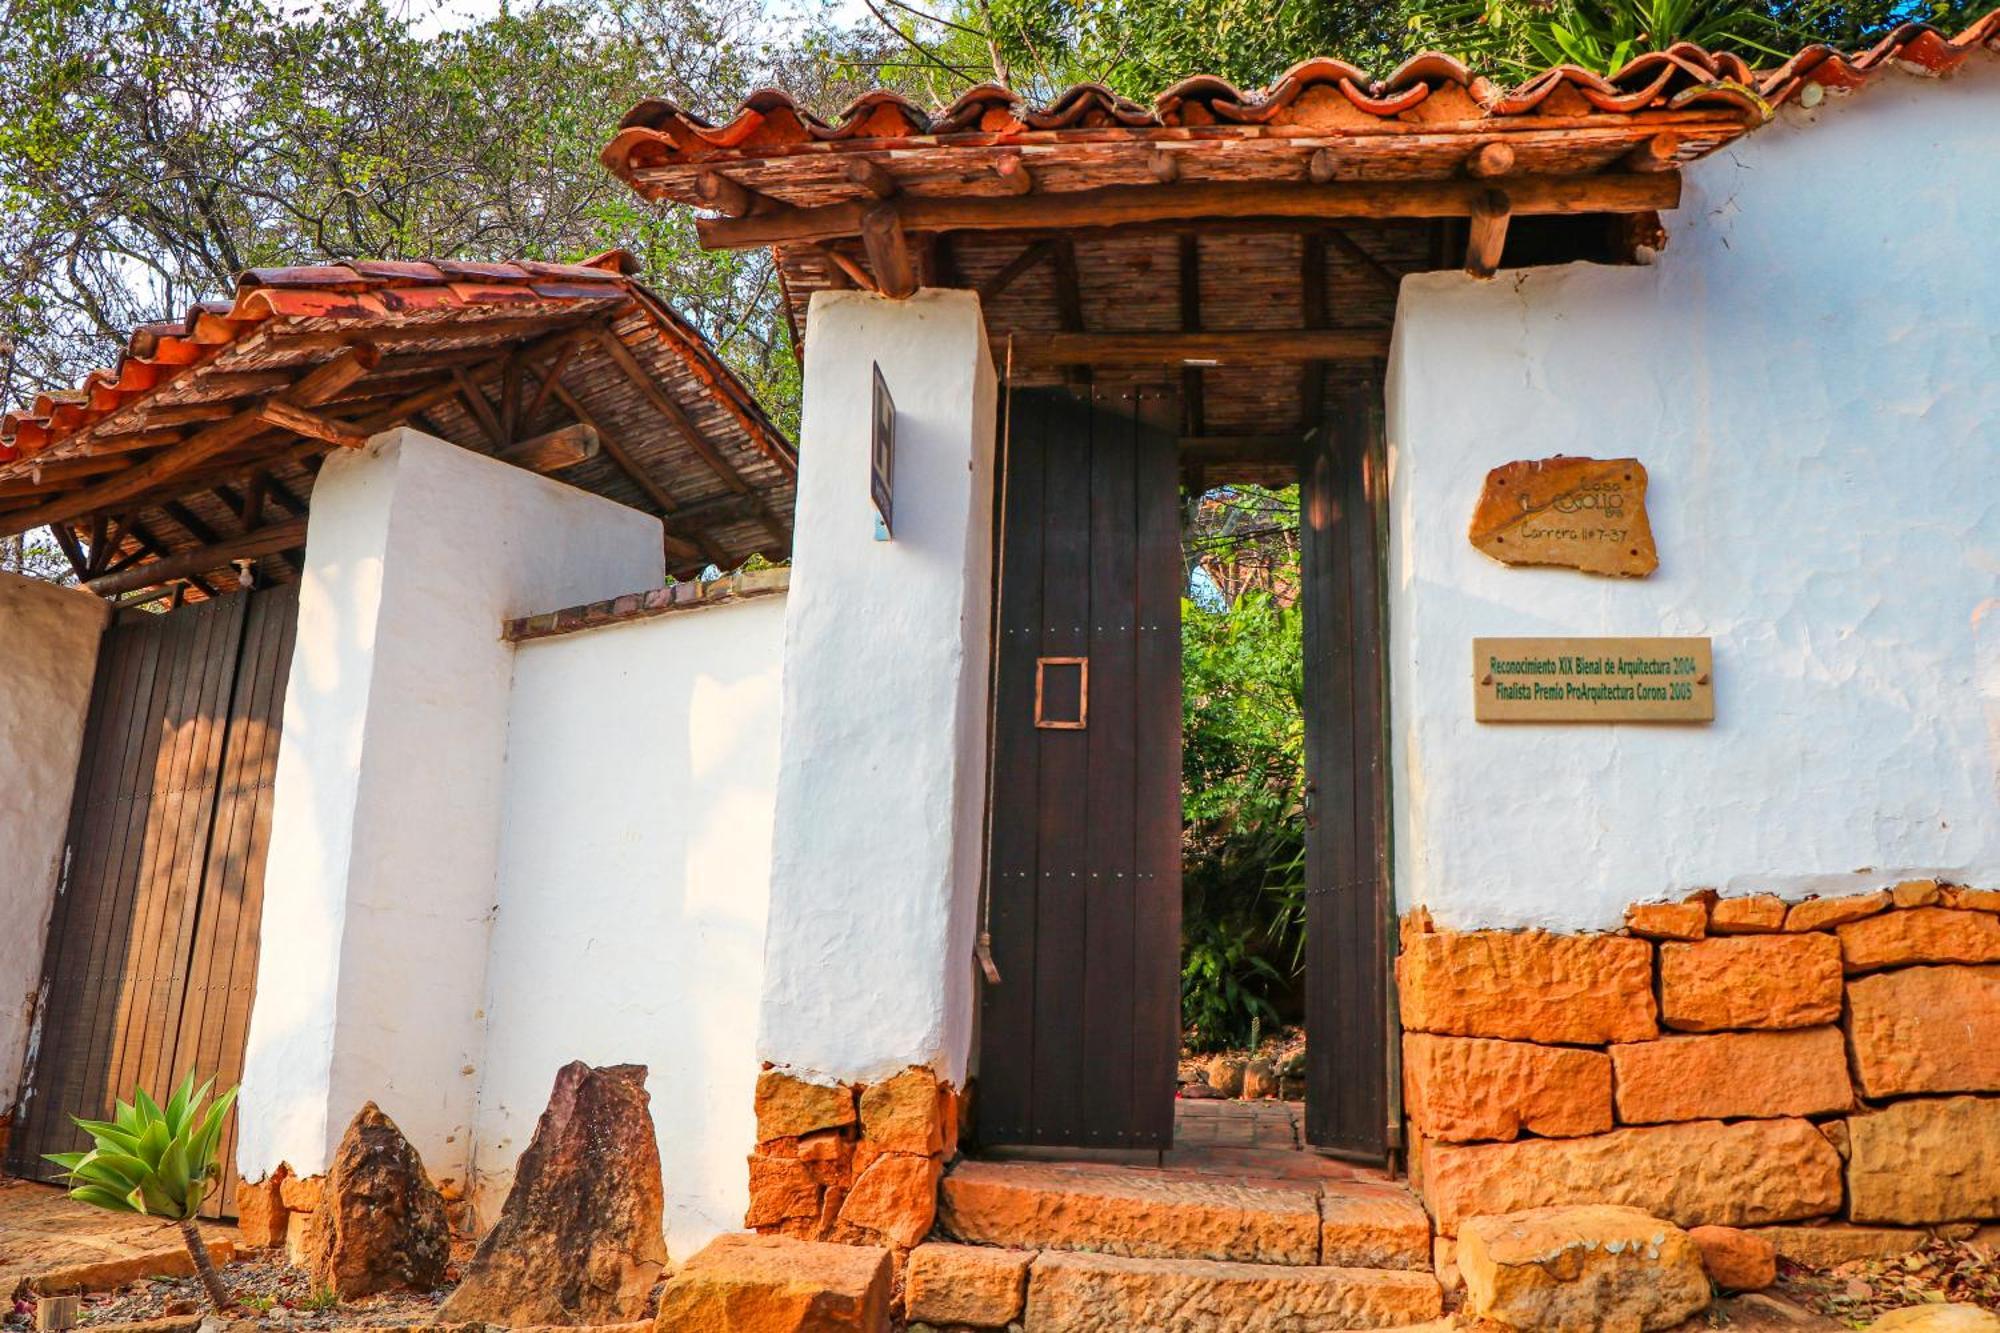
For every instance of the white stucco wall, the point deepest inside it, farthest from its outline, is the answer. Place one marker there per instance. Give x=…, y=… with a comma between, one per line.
x=1811, y=375
x=385, y=827
x=881, y=780
x=48, y=657
x=634, y=872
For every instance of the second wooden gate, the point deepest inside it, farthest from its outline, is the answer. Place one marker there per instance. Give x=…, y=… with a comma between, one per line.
x=152, y=949
x=1080, y=1035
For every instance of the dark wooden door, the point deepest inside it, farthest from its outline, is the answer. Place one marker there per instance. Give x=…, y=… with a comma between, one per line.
x=152, y=948
x=1343, y=496
x=1080, y=1036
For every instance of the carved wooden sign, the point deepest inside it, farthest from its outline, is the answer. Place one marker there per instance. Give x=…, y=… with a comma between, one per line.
x=1585, y=513
x=1593, y=680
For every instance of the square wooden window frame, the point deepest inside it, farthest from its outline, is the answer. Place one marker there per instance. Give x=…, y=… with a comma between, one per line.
x=1082, y=722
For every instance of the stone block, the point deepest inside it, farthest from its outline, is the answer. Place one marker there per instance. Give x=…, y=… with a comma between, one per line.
x=1981, y=900
x=1737, y=1260
x=789, y=1106
x=1916, y=893
x=1831, y=1243
x=1920, y=935
x=1750, y=981
x=1104, y=1293
x=1372, y=1224
x=1826, y=913
x=1698, y=1172
x=1758, y=914
x=1528, y=985
x=1926, y=1029
x=1668, y=921
x=894, y=1198
x=1462, y=1089
x=1925, y=1161
x=781, y=1188
x=1732, y=1075
x=970, y=1285
x=904, y=1113
x=1580, y=1270
x=260, y=1212
x=772, y=1284
x=301, y=1194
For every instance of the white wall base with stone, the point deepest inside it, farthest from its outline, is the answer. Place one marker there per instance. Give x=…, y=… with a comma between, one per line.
x=1811, y=376
x=48, y=660
x=634, y=871
x=385, y=829
x=882, y=766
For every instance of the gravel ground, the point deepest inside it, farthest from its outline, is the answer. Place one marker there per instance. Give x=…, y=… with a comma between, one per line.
x=269, y=1291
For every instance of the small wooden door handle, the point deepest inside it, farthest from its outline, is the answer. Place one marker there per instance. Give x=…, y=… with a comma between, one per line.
x=1082, y=719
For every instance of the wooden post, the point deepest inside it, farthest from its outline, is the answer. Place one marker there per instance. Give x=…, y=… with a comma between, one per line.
x=1488, y=237
x=889, y=252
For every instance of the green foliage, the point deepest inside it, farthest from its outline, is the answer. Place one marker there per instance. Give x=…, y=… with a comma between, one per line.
x=1522, y=37
x=1224, y=982
x=159, y=1161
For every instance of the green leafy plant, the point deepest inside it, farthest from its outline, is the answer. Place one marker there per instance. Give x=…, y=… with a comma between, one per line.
x=1598, y=35
x=322, y=1298
x=159, y=1162
x=1223, y=978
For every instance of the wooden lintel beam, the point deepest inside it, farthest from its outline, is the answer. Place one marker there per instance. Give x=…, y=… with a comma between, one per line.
x=553, y=450
x=1195, y=349
x=267, y=540
x=889, y=252
x=1118, y=205
x=312, y=425
x=1487, y=238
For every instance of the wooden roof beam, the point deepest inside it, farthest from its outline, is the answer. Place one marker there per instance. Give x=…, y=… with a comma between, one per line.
x=870, y=175
x=1487, y=239
x=1490, y=160
x=268, y=540
x=701, y=546
x=889, y=252
x=1249, y=347
x=1031, y=254
x=1119, y=205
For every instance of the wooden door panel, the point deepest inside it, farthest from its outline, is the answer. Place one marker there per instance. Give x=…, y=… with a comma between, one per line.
x=1077, y=1046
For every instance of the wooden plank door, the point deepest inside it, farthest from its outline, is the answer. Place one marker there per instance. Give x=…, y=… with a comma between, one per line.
x=152, y=945
x=1080, y=1036
x=1343, y=485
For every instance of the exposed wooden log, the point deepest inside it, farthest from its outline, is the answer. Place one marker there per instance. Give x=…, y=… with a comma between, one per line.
x=285, y=416
x=1490, y=160
x=550, y=376
x=1322, y=167
x=251, y=510
x=60, y=475
x=1016, y=177
x=1657, y=154
x=79, y=560
x=267, y=540
x=134, y=440
x=1031, y=255
x=723, y=195
x=487, y=332
x=322, y=383
x=1487, y=239
x=510, y=399
x=190, y=414
x=889, y=252
x=477, y=403
x=553, y=450
x=1120, y=205
x=700, y=547
x=1046, y=350
x=1166, y=168
x=870, y=175
x=856, y=275
x=414, y=405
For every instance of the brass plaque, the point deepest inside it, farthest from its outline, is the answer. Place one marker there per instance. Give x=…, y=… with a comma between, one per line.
x=1593, y=680
x=1584, y=513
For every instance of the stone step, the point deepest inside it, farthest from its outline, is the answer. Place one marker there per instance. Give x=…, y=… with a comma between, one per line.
x=1178, y=1214
x=1105, y=1293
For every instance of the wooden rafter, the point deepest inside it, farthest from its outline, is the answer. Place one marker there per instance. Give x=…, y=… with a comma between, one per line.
x=1033, y=253
x=700, y=545
x=1248, y=347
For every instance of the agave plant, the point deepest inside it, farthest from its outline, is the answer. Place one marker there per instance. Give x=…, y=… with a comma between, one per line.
x=1599, y=35
x=157, y=1162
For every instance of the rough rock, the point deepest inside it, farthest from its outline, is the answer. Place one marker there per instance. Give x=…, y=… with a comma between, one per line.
x=772, y=1284
x=972, y=1285
x=1462, y=1089
x=301, y=1194
x=1751, y=981
x=1157, y=1214
x=788, y=1106
x=1834, y=1243
x=1702, y=1171
x=1525, y=515
x=1260, y=1080
x=1926, y=1029
x=1372, y=1224
x=1937, y=1319
x=381, y=1223
x=1103, y=1293
x=1925, y=1161
x=578, y=1240
x=1737, y=1260
x=1732, y=1075
x=1921, y=935
x=260, y=1212
x=1225, y=1074
x=1758, y=914
x=1528, y=985
x=1444, y=1264
x=1826, y=913
x=781, y=1188
x=895, y=1198
x=1668, y=921
x=1580, y=1270
x=1984, y=900
x=110, y=1274
x=904, y=1113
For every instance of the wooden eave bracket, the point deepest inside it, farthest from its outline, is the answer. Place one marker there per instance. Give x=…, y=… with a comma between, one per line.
x=1486, y=240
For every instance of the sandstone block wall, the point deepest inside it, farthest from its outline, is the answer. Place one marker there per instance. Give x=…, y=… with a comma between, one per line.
x=1740, y=1062
x=847, y=1163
